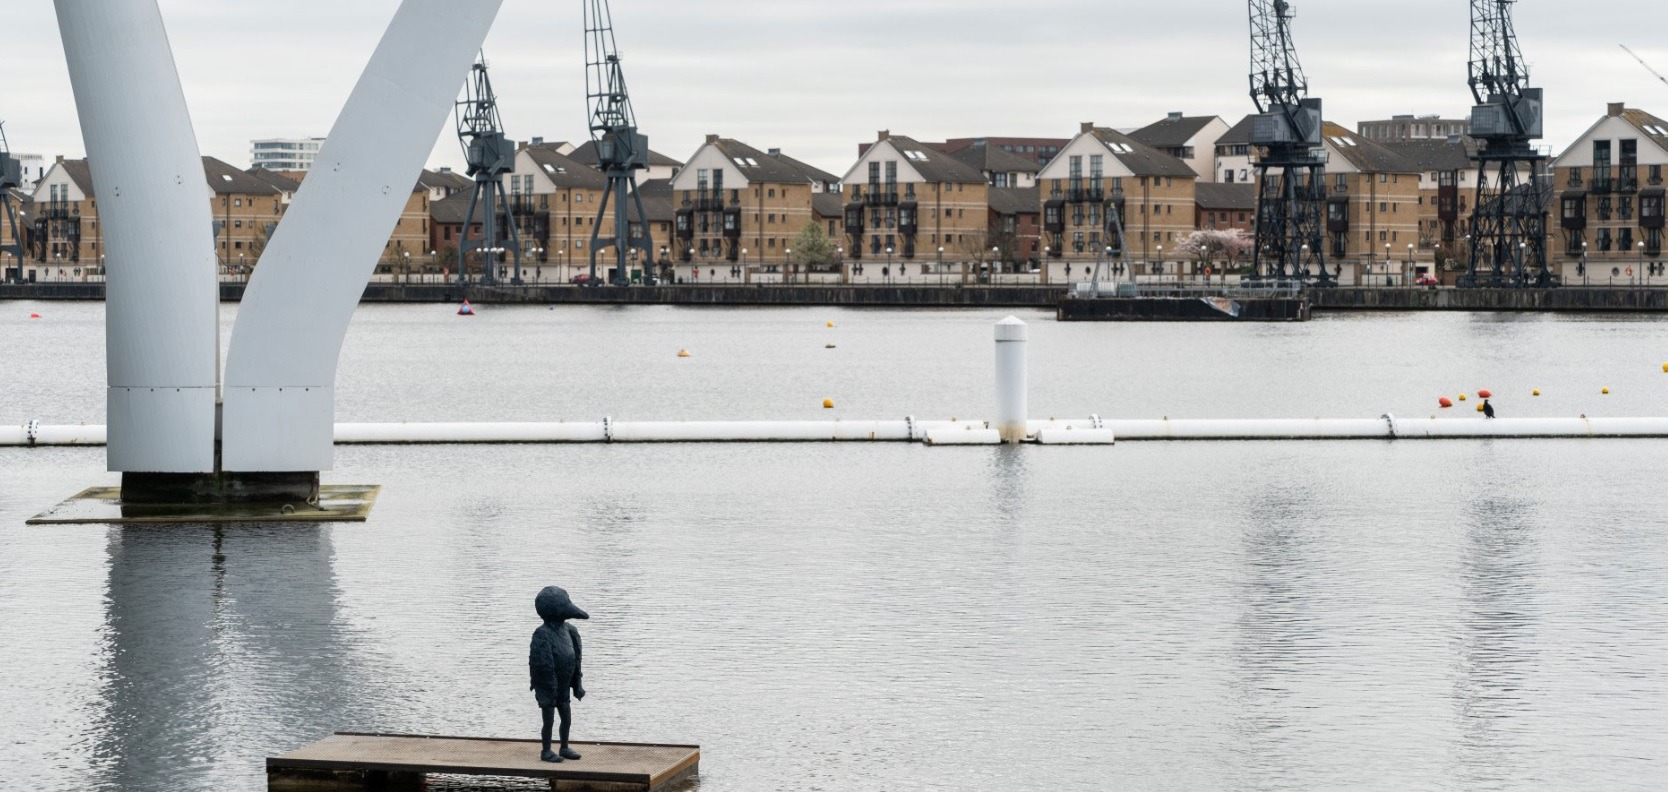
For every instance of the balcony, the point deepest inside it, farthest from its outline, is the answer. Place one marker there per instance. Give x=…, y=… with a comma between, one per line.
x=709, y=201
x=1602, y=183
x=1093, y=193
x=1627, y=181
x=877, y=197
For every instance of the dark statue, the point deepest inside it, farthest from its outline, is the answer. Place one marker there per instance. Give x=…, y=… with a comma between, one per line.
x=553, y=662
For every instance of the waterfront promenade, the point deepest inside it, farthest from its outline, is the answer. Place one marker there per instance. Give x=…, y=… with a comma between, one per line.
x=1625, y=299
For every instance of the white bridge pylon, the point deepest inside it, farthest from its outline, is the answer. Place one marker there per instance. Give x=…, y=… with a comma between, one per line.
x=277, y=394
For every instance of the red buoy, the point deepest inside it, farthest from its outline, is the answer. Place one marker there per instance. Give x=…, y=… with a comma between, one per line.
x=1485, y=393
x=1445, y=402
x=34, y=316
x=465, y=309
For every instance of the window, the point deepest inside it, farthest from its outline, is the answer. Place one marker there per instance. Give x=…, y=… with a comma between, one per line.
x=1096, y=166
x=1624, y=239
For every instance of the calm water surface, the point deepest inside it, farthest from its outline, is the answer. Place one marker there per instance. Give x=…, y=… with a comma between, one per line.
x=1236, y=616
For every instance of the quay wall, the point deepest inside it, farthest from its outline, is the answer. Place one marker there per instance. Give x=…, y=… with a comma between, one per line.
x=1598, y=299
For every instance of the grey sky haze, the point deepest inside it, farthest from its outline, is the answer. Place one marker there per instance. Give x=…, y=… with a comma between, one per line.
x=817, y=78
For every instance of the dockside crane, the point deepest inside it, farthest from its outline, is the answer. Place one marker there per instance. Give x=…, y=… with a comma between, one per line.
x=489, y=155
x=11, y=178
x=621, y=149
x=1508, y=220
x=1291, y=167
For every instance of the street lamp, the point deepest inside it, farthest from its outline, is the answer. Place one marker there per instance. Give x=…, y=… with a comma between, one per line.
x=1406, y=274
x=888, y=271
x=1641, y=247
x=941, y=265
x=1583, y=266
x=1161, y=259
x=787, y=264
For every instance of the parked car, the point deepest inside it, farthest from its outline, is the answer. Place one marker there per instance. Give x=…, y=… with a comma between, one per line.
x=582, y=279
x=1426, y=280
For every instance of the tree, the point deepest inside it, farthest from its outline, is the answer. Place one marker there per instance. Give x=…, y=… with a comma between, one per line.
x=812, y=247
x=1227, y=245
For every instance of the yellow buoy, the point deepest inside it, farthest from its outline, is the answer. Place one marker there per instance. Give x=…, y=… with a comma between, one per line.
x=1537, y=392
x=683, y=353
x=1664, y=368
x=1605, y=391
x=828, y=404
x=1462, y=397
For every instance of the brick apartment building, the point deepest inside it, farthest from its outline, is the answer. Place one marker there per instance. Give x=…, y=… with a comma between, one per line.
x=1609, y=200
x=1103, y=176
x=905, y=200
x=1372, y=204
x=741, y=207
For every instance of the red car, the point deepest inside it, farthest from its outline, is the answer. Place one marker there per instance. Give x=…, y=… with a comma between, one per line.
x=581, y=279
x=1425, y=280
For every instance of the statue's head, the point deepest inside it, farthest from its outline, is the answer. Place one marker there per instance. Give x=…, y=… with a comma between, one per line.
x=553, y=604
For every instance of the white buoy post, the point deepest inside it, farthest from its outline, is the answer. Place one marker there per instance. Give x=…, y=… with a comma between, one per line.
x=1011, y=383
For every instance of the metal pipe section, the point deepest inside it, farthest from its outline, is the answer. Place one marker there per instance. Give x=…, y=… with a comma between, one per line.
x=1011, y=336
x=162, y=293
x=1075, y=431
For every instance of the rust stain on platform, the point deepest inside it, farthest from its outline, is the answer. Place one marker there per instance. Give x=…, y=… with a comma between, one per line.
x=104, y=506
x=643, y=766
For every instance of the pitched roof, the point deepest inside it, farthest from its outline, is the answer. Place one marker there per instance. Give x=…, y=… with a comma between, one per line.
x=451, y=209
x=1436, y=155
x=1239, y=134
x=430, y=180
x=588, y=154
x=657, y=201
x=995, y=159
x=564, y=171
x=826, y=204
x=226, y=179
x=935, y=165
x=1173, y=131
x=274, y=179
x=1231, y=197
x=1140, y=158
x=79, y=173
x=1364, y=154
x=811, y=171
x=1015, y=200
x=761, y=167
x=1649, y=125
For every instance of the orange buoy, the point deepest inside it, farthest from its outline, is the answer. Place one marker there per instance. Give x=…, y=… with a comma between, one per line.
x=1485, y=393
x=1445, y=402
x=828, y=404
x=1479, y=408
x=34, y=316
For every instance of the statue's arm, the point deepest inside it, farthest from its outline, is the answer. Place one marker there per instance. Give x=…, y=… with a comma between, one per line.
x=578, y=666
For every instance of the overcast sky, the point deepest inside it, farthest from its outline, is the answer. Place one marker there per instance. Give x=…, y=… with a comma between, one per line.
x=817, y=78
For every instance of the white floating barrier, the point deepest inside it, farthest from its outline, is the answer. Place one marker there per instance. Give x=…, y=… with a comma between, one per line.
x=965, y=435
x=1093, y=431
x=1071, y=436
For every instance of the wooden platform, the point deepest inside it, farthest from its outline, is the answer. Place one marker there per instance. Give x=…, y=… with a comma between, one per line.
x=604, y=766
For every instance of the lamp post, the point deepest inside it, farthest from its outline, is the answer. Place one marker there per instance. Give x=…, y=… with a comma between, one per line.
x=840, y=261
x=744, y=265
x=1161, y=259
x=787, y=265
x=1407, y=273
x=888, y=272
x=941, y=265
x=1387, y=263
x=1583, y=266
x=1640, y=275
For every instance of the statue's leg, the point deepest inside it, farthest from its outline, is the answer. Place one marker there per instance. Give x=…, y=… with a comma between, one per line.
x=566, y=711
x=549, y=715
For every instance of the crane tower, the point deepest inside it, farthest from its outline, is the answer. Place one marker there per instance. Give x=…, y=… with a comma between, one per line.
x=1508, y=221
x=490, y=155
x=1291, y=167
x=621, y=149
